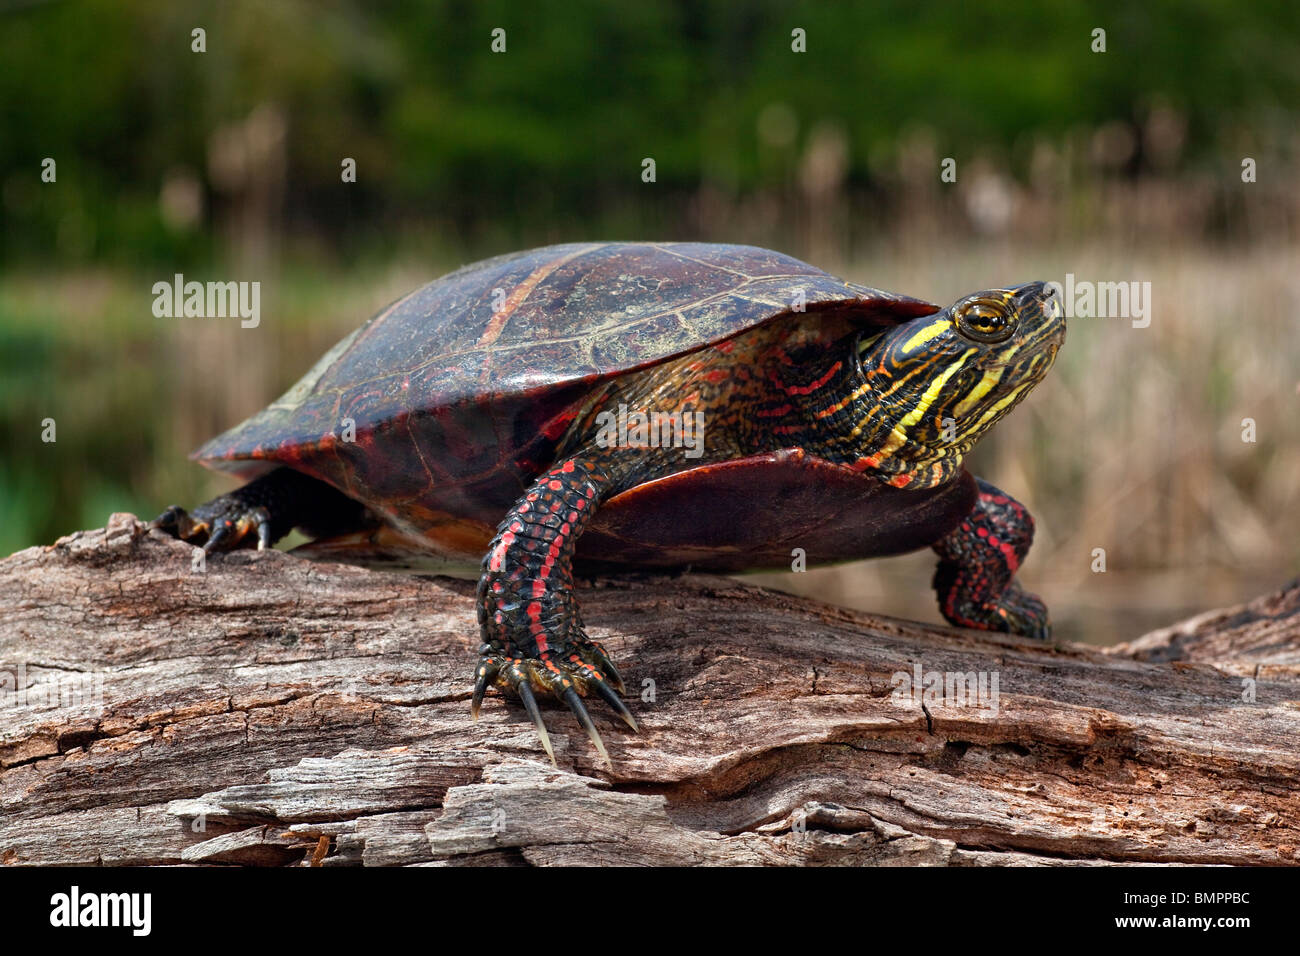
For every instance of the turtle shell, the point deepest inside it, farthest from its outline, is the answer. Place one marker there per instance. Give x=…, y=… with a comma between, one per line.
x=459, y=393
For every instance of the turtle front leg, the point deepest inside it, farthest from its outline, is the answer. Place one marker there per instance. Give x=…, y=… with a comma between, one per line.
x=533, y=639
x=975, y=579
x=262, y=512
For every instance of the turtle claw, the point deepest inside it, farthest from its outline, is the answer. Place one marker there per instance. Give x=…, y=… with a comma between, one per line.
x=611, y=697
x=176, y=521
x=565, y=682
x=605, y=666
x=262, y=520
x=530, y=704
x=580, y=711
x=219, y=535
x=486, y=674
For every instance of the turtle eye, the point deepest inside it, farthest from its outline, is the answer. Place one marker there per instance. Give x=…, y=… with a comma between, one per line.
x=985, y=321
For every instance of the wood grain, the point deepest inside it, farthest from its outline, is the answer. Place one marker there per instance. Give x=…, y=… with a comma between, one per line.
x=274, y=711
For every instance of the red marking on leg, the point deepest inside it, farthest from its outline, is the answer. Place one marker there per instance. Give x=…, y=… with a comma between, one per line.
x=1008, y=552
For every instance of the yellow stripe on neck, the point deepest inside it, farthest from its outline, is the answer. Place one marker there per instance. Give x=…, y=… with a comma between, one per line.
x=898, y=436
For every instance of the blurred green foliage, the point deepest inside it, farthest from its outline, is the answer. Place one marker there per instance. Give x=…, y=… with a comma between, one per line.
x=495, y=150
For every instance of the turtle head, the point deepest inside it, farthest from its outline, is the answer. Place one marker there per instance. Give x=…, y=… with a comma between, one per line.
x=931, y=387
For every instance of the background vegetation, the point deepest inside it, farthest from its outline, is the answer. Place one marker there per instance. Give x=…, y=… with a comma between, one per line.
x=1122, y=165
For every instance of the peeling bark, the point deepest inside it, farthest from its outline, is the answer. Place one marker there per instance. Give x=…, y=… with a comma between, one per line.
x=274, y=711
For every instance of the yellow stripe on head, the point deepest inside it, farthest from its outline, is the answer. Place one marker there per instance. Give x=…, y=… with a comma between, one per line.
x=930, y=331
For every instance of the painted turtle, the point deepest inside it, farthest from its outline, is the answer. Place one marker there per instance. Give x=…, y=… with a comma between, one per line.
x=647, y=405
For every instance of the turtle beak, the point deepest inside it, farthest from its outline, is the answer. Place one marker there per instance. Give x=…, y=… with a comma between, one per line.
x=1041, y=306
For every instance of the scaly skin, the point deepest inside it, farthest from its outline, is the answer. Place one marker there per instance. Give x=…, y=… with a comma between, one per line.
x=975, y=579
x=532, y=631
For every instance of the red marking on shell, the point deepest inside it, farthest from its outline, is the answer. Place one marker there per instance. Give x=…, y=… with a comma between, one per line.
x=900, y=481
x=519, y=293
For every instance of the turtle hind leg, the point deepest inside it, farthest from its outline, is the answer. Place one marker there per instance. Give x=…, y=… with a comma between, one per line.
x=975, y=579
x=262, y=512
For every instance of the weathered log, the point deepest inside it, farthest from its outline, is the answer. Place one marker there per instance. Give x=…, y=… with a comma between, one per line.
x=276, y=711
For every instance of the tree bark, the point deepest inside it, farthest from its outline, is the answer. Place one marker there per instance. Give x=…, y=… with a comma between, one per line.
x=271, y=710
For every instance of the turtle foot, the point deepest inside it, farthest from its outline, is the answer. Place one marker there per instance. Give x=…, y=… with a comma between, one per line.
x=1016, y=611
x=223, y=524
x=587, y=669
